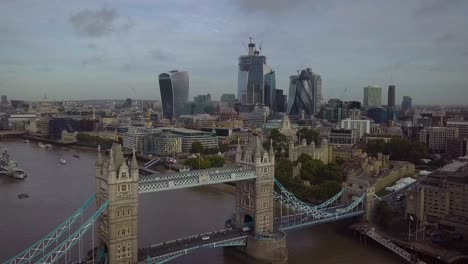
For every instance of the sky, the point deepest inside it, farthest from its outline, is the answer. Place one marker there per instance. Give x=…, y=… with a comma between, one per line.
x=92, y=49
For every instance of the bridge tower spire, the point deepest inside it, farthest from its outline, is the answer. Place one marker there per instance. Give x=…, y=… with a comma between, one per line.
x=118, y=226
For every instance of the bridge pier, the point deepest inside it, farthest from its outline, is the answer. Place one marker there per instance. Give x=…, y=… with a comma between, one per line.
x=270, y=250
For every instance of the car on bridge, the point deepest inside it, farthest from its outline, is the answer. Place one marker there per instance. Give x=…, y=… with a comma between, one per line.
x=205, y=238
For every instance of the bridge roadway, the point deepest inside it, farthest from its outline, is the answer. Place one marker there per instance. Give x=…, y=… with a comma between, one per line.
x=174, y=248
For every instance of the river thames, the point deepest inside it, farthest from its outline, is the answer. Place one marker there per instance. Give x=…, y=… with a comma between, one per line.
x=56, y=191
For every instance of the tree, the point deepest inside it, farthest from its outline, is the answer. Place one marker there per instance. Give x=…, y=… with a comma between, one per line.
x=327, y=189
x=223, y=147
x=303, y=158
x=216, y=161
x=277, y=136
x=309, y=134
x=197, y=147
x=310, y=171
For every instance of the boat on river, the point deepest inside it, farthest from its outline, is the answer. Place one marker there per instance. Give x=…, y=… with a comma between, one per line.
x=41, y=145
x=10, y=167
x=62, y=161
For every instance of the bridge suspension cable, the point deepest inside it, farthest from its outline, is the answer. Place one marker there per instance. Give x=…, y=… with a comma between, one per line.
x=54, y=255
x=29, y=254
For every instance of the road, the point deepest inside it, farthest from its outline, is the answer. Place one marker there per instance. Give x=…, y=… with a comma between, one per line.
x=174, y=246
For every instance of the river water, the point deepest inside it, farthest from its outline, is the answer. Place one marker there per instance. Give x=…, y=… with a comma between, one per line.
x=56, y=191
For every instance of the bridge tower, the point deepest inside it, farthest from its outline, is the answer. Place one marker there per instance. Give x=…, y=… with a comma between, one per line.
x=255, y=204
x=117, y=182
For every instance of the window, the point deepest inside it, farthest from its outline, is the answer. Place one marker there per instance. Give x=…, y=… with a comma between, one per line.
x=123, y=188
x=124, y=174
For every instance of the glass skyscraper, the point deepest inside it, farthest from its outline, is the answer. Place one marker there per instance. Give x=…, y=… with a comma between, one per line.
x=256, y=81
x=305, y=93
x=174, y=87
x=372, y=96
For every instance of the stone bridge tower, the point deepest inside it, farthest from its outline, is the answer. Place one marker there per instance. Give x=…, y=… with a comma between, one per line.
x=255, y=204
x=117, y=182
x=254, y=198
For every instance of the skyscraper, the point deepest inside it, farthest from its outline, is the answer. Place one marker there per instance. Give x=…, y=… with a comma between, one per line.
x=302, y=93
x=256, y=81
x=391, y=96
x=407, y=103
x=372, y=96
x=174, y=87
x=4, y=100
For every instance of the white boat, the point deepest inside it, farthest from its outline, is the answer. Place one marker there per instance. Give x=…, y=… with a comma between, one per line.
x=62, y=161
x=26, y=141
x=48, y=146
x=41, y=145
x=18, y=173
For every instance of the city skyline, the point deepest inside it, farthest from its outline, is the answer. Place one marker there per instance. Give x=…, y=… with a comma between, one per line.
x=91, y=50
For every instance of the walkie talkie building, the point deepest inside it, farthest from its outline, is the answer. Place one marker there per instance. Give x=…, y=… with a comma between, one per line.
x=174, y=87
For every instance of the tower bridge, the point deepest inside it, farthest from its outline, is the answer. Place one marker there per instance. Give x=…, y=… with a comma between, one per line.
x=255, y=228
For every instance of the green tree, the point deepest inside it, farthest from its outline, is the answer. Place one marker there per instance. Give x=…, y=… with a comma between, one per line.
x=327, y=189
x=309, y=134
x=303, y=158
x=197, y=147
x=311, y=170
x=216, y=161
x=277, y=136
x=223, y=147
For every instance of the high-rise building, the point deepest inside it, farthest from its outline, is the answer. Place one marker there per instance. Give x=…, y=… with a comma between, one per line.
x=407, y=103
x=174, y=87
x=391, y=96
x=435, y=138
x=279, y=105
x=462, y=126
x=362, y=127
x=256, y=81
x=4, y=100
x=372, y=96
x=305, y=93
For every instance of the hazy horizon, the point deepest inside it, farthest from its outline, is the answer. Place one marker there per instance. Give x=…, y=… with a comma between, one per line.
x=88, y=49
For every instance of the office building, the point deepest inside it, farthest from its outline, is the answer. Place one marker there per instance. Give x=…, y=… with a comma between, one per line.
x=174, y=87
x=162, y=144
x=462, y=126
x=4, y=100
x=133, y=139
x=188, y=136
x=440, y=201
x=198, y=121
x=279, y=105
x=228, y=99
x=372, y=96
x=378, y=114
x=435, y=138
x=391, y=96
x=256, y=80
x=305, y=93
x=407, y=103
x=457, y=147
x=339, y=137
x=362, y=127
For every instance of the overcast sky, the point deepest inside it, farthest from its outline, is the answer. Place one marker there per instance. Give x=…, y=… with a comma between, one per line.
x=90, y=49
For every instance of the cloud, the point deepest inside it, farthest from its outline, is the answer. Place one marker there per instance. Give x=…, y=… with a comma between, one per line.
x=268, y=6
x=434, y=7
x=92, y=61
x=159, y=55
x=92, y=46
x=99, y=23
